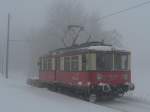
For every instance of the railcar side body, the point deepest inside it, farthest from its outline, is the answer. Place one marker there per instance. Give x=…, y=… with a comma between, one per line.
x=91, y=69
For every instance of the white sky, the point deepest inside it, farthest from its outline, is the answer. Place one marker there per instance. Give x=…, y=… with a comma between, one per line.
x=133, y=25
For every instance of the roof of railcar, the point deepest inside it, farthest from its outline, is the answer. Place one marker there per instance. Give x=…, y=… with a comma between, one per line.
x=91, y=46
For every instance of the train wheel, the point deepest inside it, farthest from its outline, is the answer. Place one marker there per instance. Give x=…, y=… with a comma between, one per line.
x=92, y=98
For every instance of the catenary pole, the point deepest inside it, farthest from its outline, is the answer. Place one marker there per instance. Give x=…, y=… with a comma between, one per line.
x=7, y=47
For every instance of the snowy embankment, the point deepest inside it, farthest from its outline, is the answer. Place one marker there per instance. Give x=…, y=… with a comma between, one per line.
x=16, y=96
x=142, y=84
x=136, y=101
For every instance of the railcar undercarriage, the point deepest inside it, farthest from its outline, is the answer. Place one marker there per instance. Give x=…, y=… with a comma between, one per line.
x=92, y=94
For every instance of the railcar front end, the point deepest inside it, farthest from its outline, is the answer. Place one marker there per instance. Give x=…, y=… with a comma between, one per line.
x=112, y=74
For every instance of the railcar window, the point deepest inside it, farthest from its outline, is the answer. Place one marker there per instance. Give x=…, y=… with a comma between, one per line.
x=40, y=64
x=49, y=64
x=124, y=62
x=57, y=63
x=84, y=62
x=46, y=63
x=53, y=64
x=90, y=62
x=62, y=63
x=104, y=61
x=67, y=64
x=44, y=60
x=121, y=62
x=75, y=63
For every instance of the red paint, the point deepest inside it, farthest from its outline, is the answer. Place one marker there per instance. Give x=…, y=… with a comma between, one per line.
x=75, y=78
x=72, y=78
x=48, y=76
x=112, y=78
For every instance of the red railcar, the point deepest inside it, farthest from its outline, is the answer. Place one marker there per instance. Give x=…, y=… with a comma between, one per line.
x=90, y=69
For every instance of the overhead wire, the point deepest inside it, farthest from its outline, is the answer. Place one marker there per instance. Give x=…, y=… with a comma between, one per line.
x=124, y=10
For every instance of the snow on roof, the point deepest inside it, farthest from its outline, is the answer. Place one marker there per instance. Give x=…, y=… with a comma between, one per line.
x=105, y=48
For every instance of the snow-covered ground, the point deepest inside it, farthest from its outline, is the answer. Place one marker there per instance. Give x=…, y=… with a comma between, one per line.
x=17, y=96
x=136, y=101
x=142, y=82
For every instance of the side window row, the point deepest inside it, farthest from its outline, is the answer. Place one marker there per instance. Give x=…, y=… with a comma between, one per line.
x=70, y=63
x=45, y=64
x=84, y=62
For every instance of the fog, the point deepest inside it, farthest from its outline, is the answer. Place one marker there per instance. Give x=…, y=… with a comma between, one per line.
x=33, y=22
